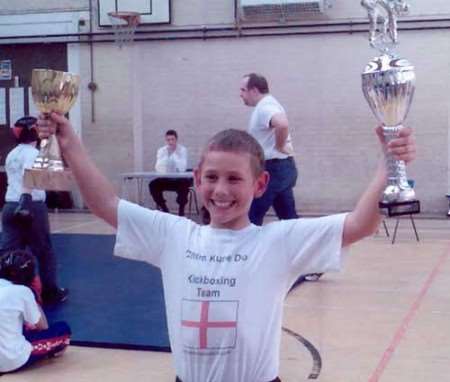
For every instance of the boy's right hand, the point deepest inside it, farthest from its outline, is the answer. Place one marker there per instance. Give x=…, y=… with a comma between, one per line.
x=54, y=124
x=403, y=147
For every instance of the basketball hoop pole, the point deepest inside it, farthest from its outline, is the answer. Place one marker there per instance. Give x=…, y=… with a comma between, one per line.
x=124, y=25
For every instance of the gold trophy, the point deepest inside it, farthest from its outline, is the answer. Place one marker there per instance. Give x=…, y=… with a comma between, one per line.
x=52, y=91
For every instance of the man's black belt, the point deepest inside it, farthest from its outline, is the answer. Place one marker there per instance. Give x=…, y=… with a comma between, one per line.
x=274, y=160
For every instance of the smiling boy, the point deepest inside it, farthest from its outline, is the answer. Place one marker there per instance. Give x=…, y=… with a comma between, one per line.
x=224, y=288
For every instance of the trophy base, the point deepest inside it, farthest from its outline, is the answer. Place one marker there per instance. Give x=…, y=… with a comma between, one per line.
x=395, y=193
x=401, y=208
x=49, y=180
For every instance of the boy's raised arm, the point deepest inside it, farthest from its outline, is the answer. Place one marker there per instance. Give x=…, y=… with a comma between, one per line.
x=97, y=191
x=365, y=217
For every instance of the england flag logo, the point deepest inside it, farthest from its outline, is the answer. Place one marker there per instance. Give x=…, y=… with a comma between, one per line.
x=209, y=324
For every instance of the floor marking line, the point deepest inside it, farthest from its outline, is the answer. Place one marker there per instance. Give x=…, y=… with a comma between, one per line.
x=399, y=334
x=317, y=359
x=72, y=227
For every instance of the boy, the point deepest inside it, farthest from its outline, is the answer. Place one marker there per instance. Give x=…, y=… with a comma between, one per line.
x=225, y=283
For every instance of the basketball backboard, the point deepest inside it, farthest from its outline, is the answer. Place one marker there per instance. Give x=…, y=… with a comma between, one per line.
x=152, y=11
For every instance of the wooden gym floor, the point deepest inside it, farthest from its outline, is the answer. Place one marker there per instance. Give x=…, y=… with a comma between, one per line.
x=385, y=317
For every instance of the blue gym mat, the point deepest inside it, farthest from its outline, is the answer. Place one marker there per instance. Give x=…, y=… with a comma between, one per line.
x=113, y=302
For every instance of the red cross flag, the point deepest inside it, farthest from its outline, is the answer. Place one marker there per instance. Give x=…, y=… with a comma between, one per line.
x=209, y=324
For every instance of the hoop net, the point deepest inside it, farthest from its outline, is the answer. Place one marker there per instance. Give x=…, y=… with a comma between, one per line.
x=124, y=25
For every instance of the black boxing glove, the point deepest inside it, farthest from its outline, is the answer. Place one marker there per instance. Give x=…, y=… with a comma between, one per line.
x=22, y=213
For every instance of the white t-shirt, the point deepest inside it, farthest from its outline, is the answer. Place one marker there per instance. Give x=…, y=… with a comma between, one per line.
x=171, y=162
x=225, y=289
x=259, y=127
x=20, y=158
x=17, y=305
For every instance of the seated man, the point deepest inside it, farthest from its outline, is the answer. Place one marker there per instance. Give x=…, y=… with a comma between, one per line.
x=171, y=158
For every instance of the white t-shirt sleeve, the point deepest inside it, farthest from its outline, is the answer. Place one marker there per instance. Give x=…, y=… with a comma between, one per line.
x=31, y=312
x=314, y=245
x=142, y=233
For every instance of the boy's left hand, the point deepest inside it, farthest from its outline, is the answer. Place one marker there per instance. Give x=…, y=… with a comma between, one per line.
x=403, y=147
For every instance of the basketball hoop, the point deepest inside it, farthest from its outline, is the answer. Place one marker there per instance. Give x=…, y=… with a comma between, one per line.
x=124, y=25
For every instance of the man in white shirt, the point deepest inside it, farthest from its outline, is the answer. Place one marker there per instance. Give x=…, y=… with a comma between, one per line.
x=269, y=126
x=171, y=158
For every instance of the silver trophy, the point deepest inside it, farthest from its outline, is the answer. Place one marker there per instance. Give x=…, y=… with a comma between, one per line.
x=388, y=83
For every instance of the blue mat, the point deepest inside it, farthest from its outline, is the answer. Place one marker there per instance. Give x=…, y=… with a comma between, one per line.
x=113, y=302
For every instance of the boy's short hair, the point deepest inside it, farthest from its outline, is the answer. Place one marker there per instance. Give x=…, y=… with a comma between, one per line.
x=24, y=130
x=172, y=132
x=257, y=81
x=18, y=266
x=237, y=141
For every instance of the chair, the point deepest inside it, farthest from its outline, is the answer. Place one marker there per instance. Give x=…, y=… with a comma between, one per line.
x=191, y=195
x=385, y=228
x=411, y=182
x=448, y=197
x=413, y=225
x=192, y=199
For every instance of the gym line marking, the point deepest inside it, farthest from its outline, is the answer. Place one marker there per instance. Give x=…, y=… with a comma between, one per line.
x=400, y=333
x=317, y=360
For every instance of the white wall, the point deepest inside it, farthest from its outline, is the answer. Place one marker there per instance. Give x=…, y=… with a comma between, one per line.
x=193, y=87
x=29, y=6
x=344, y=9
x=221, y=12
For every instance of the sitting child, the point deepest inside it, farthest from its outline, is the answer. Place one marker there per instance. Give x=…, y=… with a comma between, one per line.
x=21, y=347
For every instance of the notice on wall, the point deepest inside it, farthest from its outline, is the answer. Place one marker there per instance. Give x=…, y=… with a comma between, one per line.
x=16, y=104
x=2, y=106
x=5, y=70
x=32, y=109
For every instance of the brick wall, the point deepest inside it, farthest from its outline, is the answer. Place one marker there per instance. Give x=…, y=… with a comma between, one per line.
x=193, y=87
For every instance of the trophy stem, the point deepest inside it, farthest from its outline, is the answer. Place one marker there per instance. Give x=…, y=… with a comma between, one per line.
x=41, y=161
x=49, y=156
x=398, y=188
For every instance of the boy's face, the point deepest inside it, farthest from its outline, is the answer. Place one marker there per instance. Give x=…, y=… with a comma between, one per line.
x=227, y=186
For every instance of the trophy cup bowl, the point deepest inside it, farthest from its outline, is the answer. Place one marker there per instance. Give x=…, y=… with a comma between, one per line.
x=388, y=84
x=52, y=91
